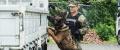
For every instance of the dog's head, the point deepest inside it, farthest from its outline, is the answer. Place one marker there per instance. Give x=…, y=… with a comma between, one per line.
x=57, y=20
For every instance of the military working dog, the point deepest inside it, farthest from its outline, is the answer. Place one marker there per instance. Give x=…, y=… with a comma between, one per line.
x=61, y=34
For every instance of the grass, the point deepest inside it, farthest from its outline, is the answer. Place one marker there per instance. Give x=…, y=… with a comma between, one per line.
x=112, y=40
x=50, y=41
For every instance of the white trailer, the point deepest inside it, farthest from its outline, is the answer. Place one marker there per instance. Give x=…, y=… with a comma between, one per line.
x=23, y=24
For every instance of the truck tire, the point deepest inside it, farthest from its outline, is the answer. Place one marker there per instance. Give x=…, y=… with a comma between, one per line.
x=118, y=37
x=44, y=46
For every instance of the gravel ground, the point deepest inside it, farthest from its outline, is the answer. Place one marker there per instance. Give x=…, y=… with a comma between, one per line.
x=89, y=47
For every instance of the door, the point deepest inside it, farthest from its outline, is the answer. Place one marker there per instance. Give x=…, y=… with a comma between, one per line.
x=9, y=29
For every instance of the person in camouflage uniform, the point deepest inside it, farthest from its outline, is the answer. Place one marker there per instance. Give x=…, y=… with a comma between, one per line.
x=76, y=21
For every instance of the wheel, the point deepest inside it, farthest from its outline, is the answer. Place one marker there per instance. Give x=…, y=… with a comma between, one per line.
x=118, y=37
x=44, y=46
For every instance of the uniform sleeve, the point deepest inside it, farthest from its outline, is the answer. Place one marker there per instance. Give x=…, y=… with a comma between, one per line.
x=83, y=23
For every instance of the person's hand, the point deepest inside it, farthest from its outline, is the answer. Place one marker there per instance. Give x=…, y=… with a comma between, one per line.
x=82, y=20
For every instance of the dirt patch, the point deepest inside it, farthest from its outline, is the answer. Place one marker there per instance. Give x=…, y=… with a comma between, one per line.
x=91, y=37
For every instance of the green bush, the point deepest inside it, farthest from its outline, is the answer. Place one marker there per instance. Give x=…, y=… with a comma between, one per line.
x=105, y=31
x=101, y=17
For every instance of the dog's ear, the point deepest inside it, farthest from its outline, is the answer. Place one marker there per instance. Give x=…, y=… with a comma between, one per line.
x=63, y=14
x=50, y=18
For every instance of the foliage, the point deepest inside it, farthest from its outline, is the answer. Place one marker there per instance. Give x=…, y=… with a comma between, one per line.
x=105, y=31
x=100, y=14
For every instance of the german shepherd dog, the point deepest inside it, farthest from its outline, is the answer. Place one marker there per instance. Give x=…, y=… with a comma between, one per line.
x=61, y=34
